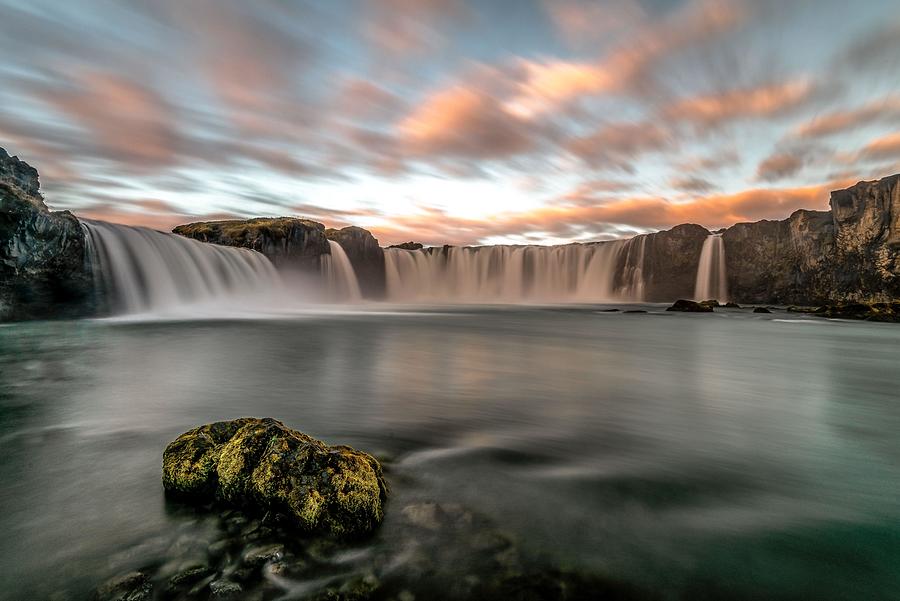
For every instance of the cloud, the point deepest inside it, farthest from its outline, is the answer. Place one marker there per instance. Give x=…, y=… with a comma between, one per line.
x=583, y=21
x=876, y=50
x=576, y=216
x=768, y=100
x=780, y=165
x=465, y=121
x=617, y=145
x=407, y=27
x=884, y=110
x=691, y=183
x=125, y=121
x=885, y=147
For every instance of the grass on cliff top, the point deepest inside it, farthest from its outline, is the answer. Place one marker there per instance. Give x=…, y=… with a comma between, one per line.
x=240, y=228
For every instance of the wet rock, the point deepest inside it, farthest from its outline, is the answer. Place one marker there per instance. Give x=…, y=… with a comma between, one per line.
x=134, y=586
x=262, y=463
x=257, y=556
x=710, y=303
x=187, y=578
x=635, y=311
x=225, y=589
x=761, y=310
x=884, y=312
x=689, y=306
x=732, y=305
x=43, y=270
x=608, y=310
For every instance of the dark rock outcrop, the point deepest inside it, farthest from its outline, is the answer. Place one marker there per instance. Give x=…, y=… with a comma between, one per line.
x=761, y=310
x=886, y=312
x=43, y=272
x=289, y=242
x=689, y=306
x=262, y=463
x=408, y=246
x=670, y=262
x=366, y=257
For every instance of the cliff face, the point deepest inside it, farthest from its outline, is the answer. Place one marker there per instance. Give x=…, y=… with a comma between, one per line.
x=288, y=242
x=43, y=273
x=866, y=254
x=670, y=262
x=851, y=253
x=784, y=261
x=365, y=255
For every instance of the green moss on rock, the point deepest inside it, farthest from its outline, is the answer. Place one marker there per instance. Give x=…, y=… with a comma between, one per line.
x=263, y=463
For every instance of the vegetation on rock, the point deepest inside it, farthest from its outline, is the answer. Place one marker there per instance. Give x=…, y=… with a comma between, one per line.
x=263, y=463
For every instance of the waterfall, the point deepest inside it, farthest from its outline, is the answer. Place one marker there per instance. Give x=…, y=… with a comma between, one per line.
x=599, y=272
x=141, y=270
x=340, y=278
x=711, y=278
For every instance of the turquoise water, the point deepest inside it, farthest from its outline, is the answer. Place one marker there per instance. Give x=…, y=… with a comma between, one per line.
x=732, y=455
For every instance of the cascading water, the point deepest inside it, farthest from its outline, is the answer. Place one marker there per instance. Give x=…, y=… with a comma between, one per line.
x=142, y=270
x=607, y=271
x=340, y=278
x=712, y=282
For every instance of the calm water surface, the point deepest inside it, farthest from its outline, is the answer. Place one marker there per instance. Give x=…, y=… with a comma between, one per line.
x=699, y=456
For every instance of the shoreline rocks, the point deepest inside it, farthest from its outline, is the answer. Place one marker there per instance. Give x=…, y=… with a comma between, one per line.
x=262, y=464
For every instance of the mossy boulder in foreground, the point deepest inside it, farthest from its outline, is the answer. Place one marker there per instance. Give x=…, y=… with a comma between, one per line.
x=263, y=463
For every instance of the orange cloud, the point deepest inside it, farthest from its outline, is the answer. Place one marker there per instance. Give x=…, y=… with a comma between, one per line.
x=124, y=119
x=762, y=101
x=464, y=121
x=575, y=217
x=883, y=110
x=885, y=147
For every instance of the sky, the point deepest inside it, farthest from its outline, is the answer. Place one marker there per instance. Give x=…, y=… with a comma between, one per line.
x=451, y=121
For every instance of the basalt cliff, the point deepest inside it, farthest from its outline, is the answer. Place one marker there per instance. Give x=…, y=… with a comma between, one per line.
x=848, y=254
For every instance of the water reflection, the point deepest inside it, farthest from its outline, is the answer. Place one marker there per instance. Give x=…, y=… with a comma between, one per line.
x=687, y=453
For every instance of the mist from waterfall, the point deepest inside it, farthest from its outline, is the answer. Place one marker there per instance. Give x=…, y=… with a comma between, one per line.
x=712, y=282
x=600, y=272
x=340, y=278
x=140, y=270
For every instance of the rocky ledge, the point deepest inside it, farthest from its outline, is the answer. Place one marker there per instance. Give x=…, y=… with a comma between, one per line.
x=289, y=242
x=43, y=272
x=263, y=464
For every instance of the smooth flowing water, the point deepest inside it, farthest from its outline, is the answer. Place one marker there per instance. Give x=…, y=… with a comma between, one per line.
x=601, y=272
x=698, y=456
x=712, y=280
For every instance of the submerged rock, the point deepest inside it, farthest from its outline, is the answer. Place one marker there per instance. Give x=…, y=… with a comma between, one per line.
x=761, y=310
x=262, y=463
x=689, y=306
x=886, y=312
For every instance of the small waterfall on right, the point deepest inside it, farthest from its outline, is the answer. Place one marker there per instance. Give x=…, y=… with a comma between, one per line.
x=711, y=278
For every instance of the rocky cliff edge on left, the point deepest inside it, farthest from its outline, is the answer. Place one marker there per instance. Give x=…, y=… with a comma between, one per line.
x=43, y=273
